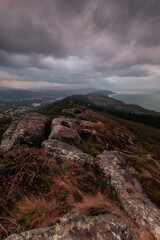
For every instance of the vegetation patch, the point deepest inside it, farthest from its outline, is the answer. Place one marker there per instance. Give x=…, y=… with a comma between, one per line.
x=35, y=191
x=152, y=189
x=4, y=123
x=149, y=176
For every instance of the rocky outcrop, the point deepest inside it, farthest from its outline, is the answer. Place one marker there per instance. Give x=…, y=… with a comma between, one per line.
x=67, y=122
x=130, y=192
x=67, y=153
x=67, y=135
x=67, y=130
x=31, y=130
x=72, y=112
x=100, y=227
x=63, y=144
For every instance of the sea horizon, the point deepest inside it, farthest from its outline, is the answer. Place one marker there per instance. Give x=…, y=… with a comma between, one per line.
x=147, y=99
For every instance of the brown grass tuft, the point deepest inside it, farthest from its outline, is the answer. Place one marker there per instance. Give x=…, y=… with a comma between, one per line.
x=94, y=205
x=38, y=211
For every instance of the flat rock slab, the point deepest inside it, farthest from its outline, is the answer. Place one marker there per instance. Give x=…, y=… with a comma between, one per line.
x=67, y=153
x=102, y=227
x=130, y=192
x=31, y=130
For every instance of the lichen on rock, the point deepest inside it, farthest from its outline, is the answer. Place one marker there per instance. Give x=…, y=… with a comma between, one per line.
x=100, y=227
x=32, y=129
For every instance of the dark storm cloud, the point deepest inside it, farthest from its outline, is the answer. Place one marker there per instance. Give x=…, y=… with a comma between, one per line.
x=81, y=42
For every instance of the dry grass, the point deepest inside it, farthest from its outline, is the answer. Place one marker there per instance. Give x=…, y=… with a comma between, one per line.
x=94, y=205
x=37, y=211
x=149, y=176
x=35, y=191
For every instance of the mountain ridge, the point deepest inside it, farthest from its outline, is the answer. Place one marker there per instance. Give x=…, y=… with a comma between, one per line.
x=102, y=99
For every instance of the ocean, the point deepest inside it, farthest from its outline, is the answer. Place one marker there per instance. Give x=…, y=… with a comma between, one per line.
x=149, y=101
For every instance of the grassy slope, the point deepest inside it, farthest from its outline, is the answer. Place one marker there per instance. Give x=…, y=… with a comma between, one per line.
x=4, y=123
x=145, y=156
x=148, y=136
x=143, y=134
x=119, y=108
x=32, y=195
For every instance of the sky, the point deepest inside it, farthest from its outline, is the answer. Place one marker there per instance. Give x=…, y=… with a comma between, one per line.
x=105, y=44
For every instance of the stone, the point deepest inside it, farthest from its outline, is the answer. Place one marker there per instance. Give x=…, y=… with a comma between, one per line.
x=68, y=113
x=130, y=192
x=72, y=112
x=67, y=130
x=76, y=227
x=32, y=129
x=67, y=122
x=65, y=134
x=67, y=153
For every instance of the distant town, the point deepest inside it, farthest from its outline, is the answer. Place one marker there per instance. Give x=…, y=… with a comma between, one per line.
x=16, y=103
x=23, y=109
x=19, y=111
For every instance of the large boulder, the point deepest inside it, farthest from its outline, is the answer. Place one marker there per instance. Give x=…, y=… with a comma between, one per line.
x=67, y=130
x=32, y=129
x=131, y=195
x=66, y=122
x=100, y=227
x=67, y=153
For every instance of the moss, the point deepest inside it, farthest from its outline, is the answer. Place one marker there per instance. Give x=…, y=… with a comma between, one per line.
x=93, y=149
x=77, y=197
x=4, y=124
x=136, y=163
x=147, y=167
x=24, y=216
x=153, y=162
x=64, y=192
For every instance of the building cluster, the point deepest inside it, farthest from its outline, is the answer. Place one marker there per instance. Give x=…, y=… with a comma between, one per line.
x=18, y=111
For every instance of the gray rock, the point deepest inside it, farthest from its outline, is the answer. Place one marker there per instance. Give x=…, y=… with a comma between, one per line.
x=67, y=130
x=31, y=130
x=67, y=153
x=66, y=122
x=65, y=134
x=72, y=112
x=68, y=113
x=130, y=192
x=100, y=227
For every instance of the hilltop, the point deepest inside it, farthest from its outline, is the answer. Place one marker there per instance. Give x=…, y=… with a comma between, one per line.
x=74, y=172
x=101, y=100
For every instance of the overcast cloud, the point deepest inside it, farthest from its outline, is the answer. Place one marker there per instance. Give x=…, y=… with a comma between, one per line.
x=112, y=44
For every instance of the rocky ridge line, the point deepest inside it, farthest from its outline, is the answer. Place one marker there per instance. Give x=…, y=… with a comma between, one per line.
x=124, y=178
